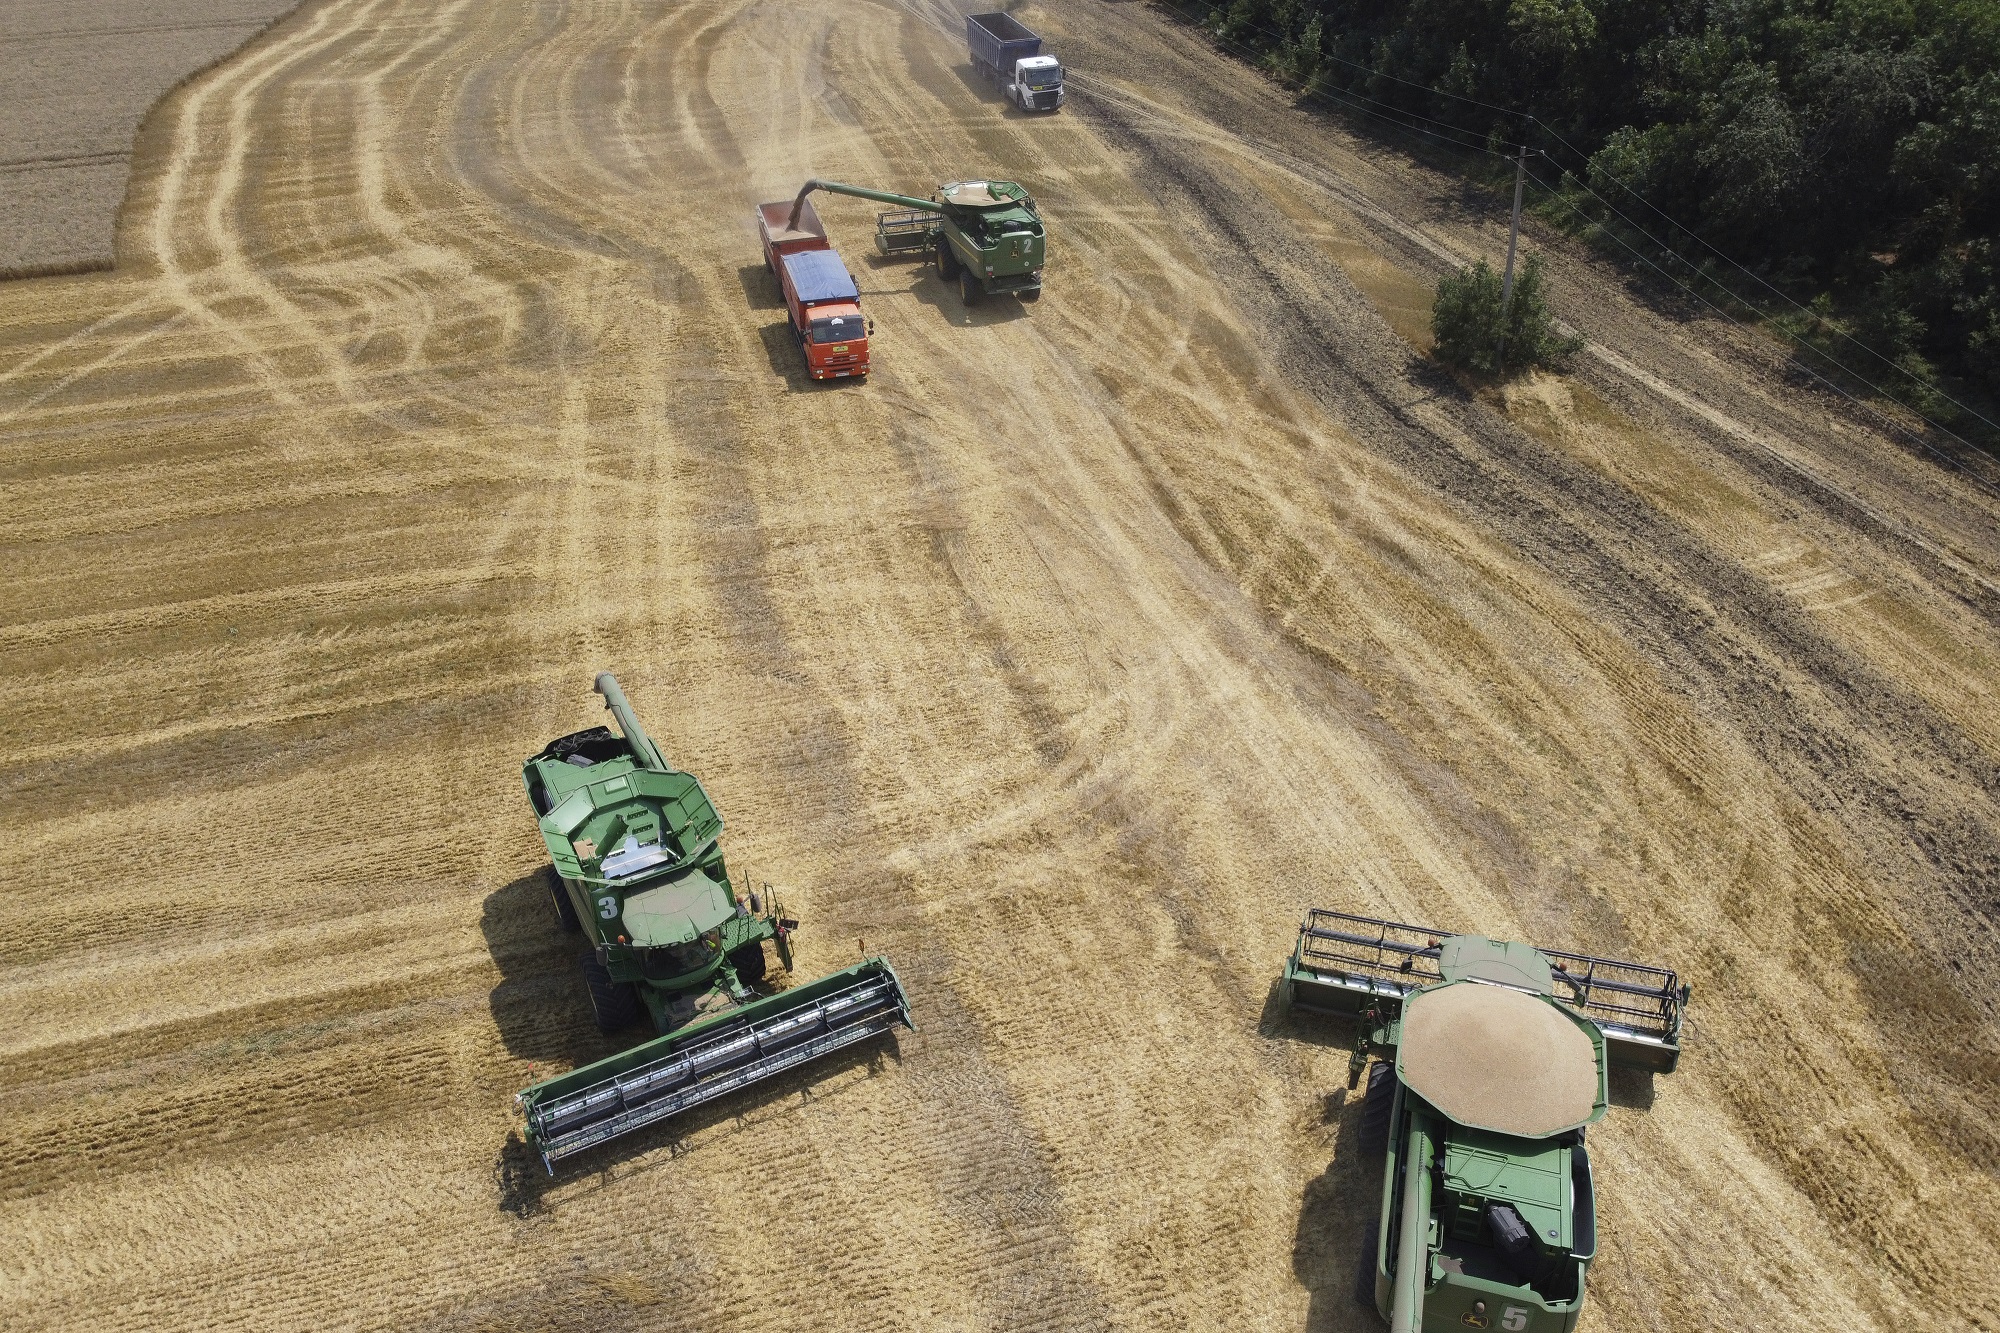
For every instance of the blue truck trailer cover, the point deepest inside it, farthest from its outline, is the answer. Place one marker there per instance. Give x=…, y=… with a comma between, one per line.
x=818, y=275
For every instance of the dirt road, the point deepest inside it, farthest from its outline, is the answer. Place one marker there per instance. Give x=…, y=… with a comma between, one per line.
x=1066, y=662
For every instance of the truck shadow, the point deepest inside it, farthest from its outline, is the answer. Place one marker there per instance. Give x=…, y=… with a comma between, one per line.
x=760, y=288
x=523, y=1185
x=540, y=1006
x=788, y=362
x=976, y=82
x=979, y=84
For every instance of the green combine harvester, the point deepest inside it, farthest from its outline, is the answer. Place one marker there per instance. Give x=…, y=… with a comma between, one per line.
x=1490, y=1059
x=986, y=235
x=638, y=869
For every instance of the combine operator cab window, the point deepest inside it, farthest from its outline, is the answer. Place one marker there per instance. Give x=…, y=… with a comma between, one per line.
x=839, y=329
x=678, y=959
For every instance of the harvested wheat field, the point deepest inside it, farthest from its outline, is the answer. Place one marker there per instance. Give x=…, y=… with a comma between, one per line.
x=1067, y=662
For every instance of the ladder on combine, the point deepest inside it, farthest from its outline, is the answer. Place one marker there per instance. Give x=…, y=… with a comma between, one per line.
x=628, y=1091
x=1345, y=964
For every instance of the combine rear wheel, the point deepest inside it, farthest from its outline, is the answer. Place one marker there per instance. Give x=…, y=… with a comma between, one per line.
x=969, y=290
x=613, y=1003
x=1375, y=1107
x=749, y=962
x=565, y=909
x=1032, y=294
x=1364, y=1268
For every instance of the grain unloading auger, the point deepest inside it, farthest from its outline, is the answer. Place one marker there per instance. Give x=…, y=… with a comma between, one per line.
x=987, y=236
x=1490, y=1060
x=636, y=851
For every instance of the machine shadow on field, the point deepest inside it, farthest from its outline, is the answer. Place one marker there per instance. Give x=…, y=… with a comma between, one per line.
x=1337, y=1212
x=931, y=290
x=1337, y=1223
x=1632, y=1088
x=540, y=1006
x=1276, y=1021
x=524, y=1186
x=934, y=291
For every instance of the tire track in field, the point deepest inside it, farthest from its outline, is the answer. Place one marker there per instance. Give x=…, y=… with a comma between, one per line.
x=1066, y=662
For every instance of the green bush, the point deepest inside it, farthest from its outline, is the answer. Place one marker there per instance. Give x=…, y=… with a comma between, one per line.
x=1478, y=333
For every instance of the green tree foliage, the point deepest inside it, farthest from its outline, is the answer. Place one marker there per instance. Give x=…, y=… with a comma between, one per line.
x=1476, y=331
x=1840, y=148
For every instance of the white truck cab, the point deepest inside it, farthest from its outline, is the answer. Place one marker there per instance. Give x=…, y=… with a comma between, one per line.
x=1037, y=84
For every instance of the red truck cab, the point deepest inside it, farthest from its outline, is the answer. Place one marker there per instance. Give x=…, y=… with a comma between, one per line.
x=821, y=300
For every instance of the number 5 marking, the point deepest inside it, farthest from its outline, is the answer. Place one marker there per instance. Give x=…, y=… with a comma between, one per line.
x=1514, y=1319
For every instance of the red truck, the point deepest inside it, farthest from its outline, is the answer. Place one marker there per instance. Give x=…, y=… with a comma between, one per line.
x=820, y=295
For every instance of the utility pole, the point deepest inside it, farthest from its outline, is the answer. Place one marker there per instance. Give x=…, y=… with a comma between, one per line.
x=1513, y=236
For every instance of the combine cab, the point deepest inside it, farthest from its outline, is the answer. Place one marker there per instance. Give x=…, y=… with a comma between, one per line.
x=1490, y=1060
x=638, y=869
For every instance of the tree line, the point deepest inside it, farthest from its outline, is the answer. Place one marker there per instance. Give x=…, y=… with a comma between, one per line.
x=1846, y=151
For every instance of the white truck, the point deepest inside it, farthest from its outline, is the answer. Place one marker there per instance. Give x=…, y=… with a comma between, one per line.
x=1012, y=57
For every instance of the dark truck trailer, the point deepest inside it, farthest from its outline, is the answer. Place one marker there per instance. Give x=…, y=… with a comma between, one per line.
x=1011, y=55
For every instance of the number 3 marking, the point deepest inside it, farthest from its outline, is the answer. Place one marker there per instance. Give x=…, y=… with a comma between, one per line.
x=607, y=908
x=1514, y=1318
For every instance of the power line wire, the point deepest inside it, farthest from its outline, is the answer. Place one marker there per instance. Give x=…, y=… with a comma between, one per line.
x=1381, y=74
x=1538, y=122
x=1748, y=272
x=1323, y=94
x=1795, y=338
x=1893, y=425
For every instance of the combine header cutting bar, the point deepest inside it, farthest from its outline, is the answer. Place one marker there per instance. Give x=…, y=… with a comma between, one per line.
x=1344, y=964
x=696, y=1064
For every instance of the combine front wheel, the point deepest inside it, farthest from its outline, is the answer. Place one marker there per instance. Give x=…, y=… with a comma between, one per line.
x=947, y=262
x=749, y=962
x=614, y=1005
x=1375, y=1107
x=565, y=909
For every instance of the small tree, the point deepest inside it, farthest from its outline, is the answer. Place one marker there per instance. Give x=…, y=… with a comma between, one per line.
x=1465, y=320
x=1478, y=333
